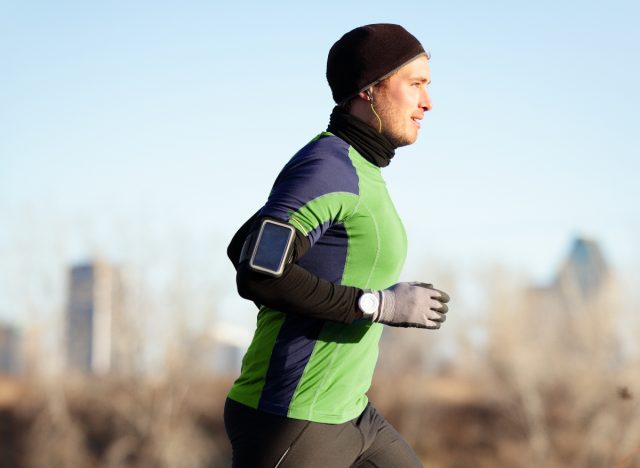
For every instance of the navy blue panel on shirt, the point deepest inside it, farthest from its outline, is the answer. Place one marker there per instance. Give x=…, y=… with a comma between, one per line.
x=323, y=166
x=327, y=257
x=290, y=355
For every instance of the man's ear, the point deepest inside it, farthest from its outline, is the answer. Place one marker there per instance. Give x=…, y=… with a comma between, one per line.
x=366, y=95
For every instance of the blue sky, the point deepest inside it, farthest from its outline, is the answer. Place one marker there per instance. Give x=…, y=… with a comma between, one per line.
x=130, y=124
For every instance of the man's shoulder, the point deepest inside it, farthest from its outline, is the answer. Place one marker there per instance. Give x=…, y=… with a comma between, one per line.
x=325, y=146
x=325, y=150
x=324, y=163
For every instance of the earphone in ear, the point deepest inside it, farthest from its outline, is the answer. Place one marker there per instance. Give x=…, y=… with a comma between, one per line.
x=369, y=95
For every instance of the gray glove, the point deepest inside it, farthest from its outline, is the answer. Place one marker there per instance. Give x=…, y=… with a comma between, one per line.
x=417, y=305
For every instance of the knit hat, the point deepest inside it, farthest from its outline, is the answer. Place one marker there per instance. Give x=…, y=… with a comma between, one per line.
x=366, y=55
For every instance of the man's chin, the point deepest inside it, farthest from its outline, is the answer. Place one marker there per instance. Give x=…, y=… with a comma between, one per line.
x=403, y=140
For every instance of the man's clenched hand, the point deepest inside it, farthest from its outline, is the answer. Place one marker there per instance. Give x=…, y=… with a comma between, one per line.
x=417, y=305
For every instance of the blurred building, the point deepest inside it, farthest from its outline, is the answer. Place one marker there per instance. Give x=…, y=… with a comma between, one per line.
x=219, y=350
x=579, y=306
x=10, y=347
x=584, y=272
x=582, y=278
x=96, y=329
x=229, y=343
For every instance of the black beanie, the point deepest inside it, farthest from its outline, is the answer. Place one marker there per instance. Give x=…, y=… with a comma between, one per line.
x=367, y=55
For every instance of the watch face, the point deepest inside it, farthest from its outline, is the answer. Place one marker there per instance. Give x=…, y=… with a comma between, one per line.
x=368, y=303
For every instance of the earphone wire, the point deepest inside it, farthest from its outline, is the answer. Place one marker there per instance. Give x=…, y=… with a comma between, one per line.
x=374, y=111
x=377, y=117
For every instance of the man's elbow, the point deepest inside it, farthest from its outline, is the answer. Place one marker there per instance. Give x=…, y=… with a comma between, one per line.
x=249, y=287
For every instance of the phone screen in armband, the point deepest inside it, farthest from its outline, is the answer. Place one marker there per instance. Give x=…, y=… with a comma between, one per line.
x=272, y=247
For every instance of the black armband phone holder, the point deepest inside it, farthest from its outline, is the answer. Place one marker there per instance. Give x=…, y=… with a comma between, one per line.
x=272, y=247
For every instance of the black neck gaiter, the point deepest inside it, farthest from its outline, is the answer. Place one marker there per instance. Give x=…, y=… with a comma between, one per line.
x=373, y=146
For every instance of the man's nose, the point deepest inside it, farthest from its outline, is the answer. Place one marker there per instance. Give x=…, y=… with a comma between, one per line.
x=425, y=100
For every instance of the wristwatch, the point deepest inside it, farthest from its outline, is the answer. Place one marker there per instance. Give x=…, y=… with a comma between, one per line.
x=368, y=305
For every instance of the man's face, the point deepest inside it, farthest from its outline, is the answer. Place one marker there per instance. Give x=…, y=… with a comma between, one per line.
x=401, y=101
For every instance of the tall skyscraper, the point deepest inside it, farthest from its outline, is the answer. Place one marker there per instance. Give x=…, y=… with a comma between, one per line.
x=95, y=321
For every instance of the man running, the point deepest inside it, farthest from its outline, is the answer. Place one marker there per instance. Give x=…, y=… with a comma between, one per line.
x=322, y=259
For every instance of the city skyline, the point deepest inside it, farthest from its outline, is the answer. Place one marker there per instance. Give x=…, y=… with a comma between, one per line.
x=107, y=321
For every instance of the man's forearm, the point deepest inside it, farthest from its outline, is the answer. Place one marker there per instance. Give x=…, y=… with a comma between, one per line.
x=300, y=292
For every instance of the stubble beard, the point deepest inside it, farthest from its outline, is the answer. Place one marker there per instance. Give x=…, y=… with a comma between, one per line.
x=394, y=126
